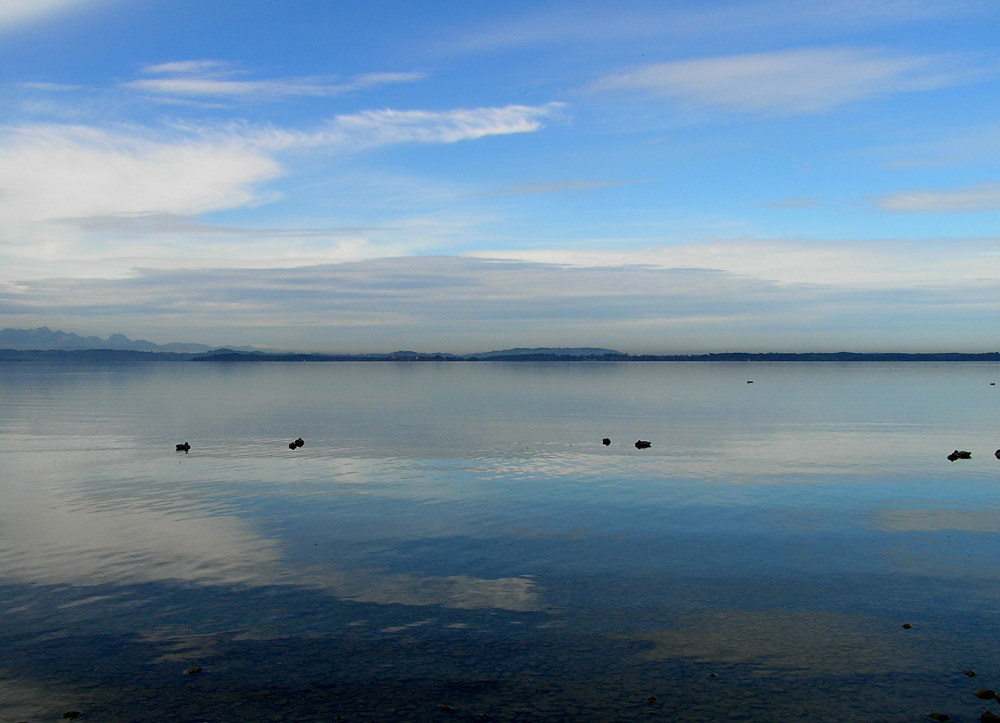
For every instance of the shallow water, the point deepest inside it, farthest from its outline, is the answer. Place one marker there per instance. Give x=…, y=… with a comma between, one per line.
x=455, y=534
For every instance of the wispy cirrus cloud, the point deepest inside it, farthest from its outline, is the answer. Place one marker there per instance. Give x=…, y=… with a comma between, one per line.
x=219, y=79
x=949, y=146
x=793, y=202
x=382, y=127
x=805, y=80
x=374, y=128
x=52, y=87
x=980, y=197
x=560, y=186
x=636, y=20
x=870, y=264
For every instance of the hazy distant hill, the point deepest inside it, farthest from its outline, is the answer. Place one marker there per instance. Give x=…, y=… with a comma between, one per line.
x=44, y=344
x=44, y=338
x=546, y=352
x=101, y=356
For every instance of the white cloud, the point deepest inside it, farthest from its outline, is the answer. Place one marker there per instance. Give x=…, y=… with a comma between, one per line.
x=715, y=298
x=869, y=264
x=53, y=178
x=15, y=12
x=56, y=171
x=982, y=197
x=188, y=66
x=371, y=129
x=384, y=127
x=215, y=78
x=784, y=82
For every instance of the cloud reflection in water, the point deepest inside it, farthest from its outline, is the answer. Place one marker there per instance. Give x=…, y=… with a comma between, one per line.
x=51, y=540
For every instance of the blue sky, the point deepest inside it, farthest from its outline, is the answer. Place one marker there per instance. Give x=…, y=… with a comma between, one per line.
x=672, y=176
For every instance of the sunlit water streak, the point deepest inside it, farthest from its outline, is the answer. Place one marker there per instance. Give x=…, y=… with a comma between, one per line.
x=456, y=534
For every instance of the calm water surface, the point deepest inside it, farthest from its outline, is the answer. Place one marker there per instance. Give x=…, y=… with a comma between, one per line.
x=453, y=541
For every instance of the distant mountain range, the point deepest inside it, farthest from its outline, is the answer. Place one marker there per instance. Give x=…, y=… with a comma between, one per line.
x=45, y=338
x=43, y=344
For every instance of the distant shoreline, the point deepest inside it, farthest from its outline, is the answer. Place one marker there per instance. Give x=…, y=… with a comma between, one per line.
x=228, y=356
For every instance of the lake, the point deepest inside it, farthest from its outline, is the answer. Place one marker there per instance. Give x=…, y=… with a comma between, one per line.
x=454, y=541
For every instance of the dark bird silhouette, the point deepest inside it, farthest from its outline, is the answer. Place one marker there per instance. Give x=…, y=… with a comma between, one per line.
x=184, y=447
x=959, y=454
x=607, y=441
x=291, y=445
x=299, y=442
x=997, y=454
x=642, y=444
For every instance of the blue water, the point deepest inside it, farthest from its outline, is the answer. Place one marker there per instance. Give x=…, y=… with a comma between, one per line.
x=453, y=541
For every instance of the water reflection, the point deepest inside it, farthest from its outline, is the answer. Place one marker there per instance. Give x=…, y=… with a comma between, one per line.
x=52, y=539
x=940, y=519
x=811, y=644
x=460, y=532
